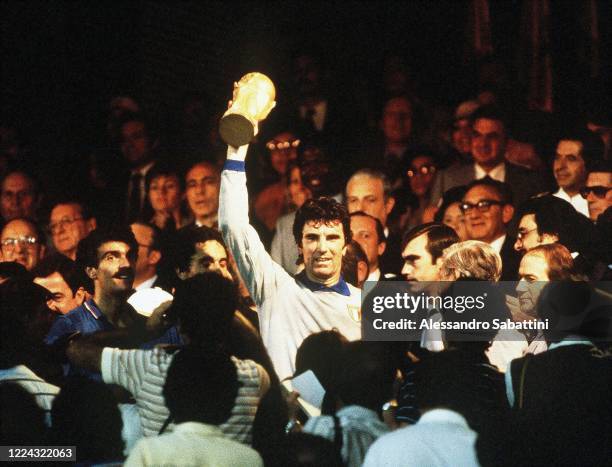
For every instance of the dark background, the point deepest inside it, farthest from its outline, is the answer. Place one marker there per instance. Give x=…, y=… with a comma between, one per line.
x=62, y=61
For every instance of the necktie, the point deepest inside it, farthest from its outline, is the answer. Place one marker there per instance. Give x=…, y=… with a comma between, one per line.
x=134, y=201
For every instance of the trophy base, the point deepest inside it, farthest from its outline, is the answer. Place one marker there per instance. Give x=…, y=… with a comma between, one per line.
x=236, y=130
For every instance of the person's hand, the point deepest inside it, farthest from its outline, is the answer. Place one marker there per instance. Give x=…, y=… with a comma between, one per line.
x=293, y=406
x=158, y=322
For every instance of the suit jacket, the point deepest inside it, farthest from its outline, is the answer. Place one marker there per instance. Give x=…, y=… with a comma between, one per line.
x=524, y=183
x=510, y=260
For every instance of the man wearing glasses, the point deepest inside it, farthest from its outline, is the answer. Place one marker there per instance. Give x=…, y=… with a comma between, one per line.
x=21, y=241
x=487, y=207
x=598, y=188
x=69, y=222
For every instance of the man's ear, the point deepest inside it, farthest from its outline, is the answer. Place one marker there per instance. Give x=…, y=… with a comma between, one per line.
x=154, y=257
x=92, y=273
x=548, y=238
x=80, y=295
x=507, y=213
x=92, y=224
x=41, y=252
x=382, y=246
x=389, y=204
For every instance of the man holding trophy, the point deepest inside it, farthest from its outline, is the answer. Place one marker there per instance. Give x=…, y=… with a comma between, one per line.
x=318, y=298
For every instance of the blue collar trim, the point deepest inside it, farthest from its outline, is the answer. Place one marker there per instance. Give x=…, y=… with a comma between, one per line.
x=340, y=287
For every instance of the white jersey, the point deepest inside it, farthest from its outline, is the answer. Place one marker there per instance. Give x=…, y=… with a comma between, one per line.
x=290, y=309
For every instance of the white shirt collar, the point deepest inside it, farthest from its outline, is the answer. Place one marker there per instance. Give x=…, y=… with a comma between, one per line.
x=146, y=284
x=374, y=276
x=496, y=173
x=498, y=243
x=577, y=201
x=143, y=170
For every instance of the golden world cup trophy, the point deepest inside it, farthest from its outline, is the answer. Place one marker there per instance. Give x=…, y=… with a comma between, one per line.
x=252, y=101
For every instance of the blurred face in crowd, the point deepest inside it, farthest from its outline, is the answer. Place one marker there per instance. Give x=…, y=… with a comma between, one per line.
x=165, y=193
x=115, y=271
x=485, y=215
x=307, y=76
x=202, y=191
x=147, y=258
x=528, y=237
x=454, y=218
x=397, y=120
x=20, y=243
x=68, y=227
x=62, y=299
x=488, y=142
x=599, y=196
x=209, y=256
x=421, y=175
x=322, y=248
x=17, y=198
x=533, y=275
x=298, y=193
x=135, y=143
x=283, y=149
x=462, y=136
x=364, y=233
x=418, y=265
x=367, y=194
x=568, y=166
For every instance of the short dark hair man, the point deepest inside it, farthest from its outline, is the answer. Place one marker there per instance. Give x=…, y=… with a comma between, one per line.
x=108, y=257
x=574, y=151
x=291, y=308
x=422, y=250
x=598, y=188
x=487, y=207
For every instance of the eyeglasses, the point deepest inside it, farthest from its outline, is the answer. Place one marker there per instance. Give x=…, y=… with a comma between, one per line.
x=10, y=243
x=523, y=233
x=423, y=170
x=483, y=205
x=599, y=191
x=282, y=145
x=65, y=222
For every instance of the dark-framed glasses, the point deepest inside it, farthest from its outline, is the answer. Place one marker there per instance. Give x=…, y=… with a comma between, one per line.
x=521, y=234
x=599, y=191
x=483, y=205
x=11, y=242
x=423, y=170
x=63, y=223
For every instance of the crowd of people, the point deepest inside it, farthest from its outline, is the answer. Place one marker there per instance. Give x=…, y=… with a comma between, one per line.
x=260, y=254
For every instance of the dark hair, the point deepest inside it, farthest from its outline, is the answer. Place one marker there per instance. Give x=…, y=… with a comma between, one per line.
x=201, y=385
x=439, y=237
x=554, y=216
x=323, y=210
x=320, y=352
x=501, y=188
x=87, y=250
x=450, y=196
x=164, y=168
x=157, y=234
x=380, y=230
x=599, y=165
x=93, y=427
x=14, y=270
x=592, y=145
x=136, y=117
x=350, y=263
x=204, y=306
x=366, y=375
x=72, y=275
x=489, y=112
x=184, y=244
x=307, y=450
x=562, y=303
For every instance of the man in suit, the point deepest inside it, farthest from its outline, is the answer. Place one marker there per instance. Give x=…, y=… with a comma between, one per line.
x=369, y=233
x=488, y=148
x=146, y=274
x=487, y=207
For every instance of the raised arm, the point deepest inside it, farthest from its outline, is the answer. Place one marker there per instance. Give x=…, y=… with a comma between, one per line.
x=260, y=273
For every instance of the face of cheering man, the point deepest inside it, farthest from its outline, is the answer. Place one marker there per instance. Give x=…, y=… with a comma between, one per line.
x=115, y=271
x=321, y=247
